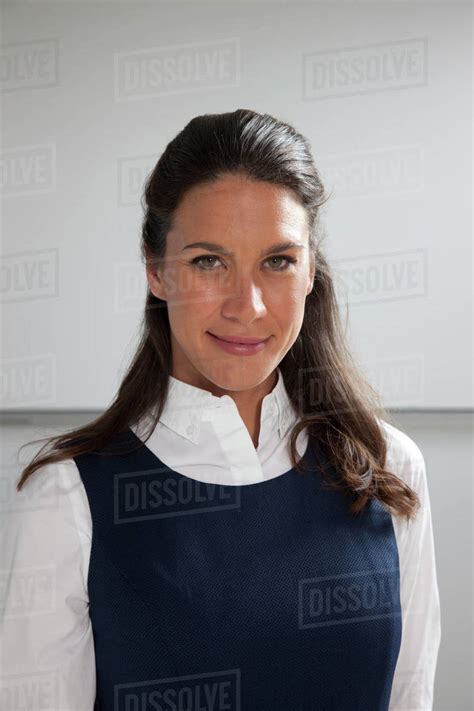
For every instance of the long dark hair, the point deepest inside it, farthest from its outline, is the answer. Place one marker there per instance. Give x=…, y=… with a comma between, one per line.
x=341, y=410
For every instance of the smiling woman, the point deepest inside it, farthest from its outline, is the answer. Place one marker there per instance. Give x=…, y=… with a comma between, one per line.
x=285, y=579
x=237, y=293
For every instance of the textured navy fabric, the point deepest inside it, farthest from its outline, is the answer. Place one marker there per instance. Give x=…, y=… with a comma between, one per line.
x=257, y=597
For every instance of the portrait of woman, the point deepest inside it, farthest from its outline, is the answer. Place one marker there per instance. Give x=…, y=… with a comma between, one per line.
x=243, y=527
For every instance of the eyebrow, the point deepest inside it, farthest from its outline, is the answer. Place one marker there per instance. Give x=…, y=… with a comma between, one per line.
x=212, y=246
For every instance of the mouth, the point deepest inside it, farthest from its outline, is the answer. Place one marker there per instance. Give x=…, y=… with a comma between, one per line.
x=239, y=339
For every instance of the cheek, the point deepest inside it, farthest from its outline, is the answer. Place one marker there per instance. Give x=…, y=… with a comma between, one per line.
x=190, y=298
x=288, y=299
x=183, y=285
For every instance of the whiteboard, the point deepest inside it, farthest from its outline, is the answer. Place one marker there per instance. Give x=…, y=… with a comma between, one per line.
x=382, y=90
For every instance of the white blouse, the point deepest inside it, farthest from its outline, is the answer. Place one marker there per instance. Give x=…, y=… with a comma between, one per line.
x=46, y=639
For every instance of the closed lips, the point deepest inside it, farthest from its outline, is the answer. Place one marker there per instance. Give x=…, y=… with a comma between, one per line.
x=238, y=339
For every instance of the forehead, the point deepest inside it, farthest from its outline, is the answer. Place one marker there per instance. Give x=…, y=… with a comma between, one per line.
x=237, y=205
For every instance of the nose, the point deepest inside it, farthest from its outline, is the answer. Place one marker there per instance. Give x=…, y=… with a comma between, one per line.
x=244, y=300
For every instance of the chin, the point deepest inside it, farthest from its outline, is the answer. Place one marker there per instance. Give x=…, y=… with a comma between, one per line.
x=239, y=376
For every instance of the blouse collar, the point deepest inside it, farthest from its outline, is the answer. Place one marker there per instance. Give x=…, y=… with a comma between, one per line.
x=187, y=406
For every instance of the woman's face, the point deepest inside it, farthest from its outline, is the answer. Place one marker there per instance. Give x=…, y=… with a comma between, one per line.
x=236, y=287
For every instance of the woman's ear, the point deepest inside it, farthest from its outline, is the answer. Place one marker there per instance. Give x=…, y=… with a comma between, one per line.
x=155, y=281
x=312, y=272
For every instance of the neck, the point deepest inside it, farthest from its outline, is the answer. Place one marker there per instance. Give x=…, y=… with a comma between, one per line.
x=248, y=402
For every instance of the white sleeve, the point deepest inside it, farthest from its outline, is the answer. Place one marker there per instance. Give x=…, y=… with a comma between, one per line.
x=414, y=677
x=46, y=642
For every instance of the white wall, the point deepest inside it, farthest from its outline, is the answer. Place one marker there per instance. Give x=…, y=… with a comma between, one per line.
x=86, y=116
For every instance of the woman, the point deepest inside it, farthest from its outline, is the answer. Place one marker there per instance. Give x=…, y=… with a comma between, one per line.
x=242, y=528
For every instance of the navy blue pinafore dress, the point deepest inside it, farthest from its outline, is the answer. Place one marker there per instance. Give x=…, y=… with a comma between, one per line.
x=262, y=597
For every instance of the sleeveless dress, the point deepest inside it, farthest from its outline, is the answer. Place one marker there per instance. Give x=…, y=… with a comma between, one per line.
x=261, y=597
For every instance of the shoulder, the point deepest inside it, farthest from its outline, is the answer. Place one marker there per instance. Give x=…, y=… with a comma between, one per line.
x=49, y=516
x=404, y=457
x=56, y=488
x=44, y=616
x=51, y=483
x=414, y=537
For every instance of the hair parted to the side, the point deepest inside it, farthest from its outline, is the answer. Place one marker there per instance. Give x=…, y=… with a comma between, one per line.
x=344, y=420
